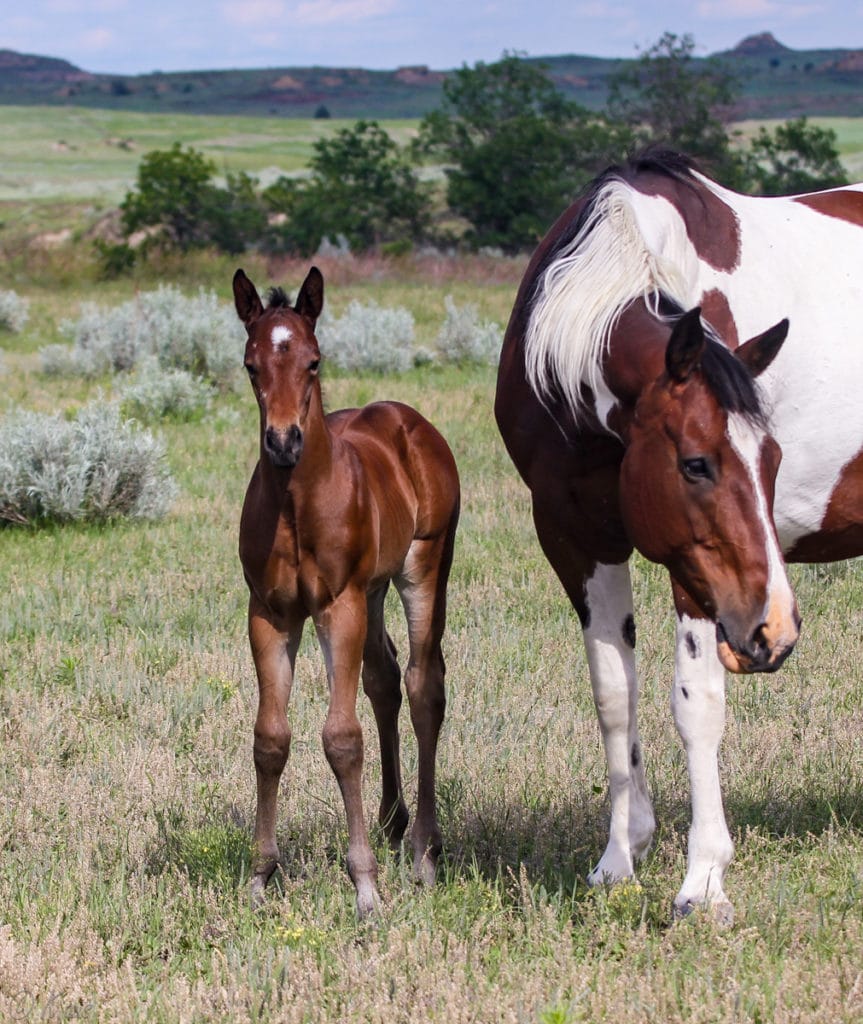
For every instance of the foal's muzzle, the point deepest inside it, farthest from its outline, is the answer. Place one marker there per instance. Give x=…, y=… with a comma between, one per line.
x=284, y=445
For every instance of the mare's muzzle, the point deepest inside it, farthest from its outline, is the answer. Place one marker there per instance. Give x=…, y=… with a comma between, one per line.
x=762, y=650
x=284, y=446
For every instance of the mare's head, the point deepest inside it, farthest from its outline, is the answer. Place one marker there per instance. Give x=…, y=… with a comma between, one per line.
x=697, y=486
x=282, y=359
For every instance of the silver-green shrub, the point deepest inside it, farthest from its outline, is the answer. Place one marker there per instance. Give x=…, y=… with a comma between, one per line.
x=369, y=337
x=96, y=467
x=14, y=311
x=197, y=334
x=463, y=338
x=154, y=394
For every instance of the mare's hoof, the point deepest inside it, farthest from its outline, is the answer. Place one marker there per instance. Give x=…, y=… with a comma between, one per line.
x=721, y=912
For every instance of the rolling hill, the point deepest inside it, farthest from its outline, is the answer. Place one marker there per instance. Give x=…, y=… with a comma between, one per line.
x=775, y=82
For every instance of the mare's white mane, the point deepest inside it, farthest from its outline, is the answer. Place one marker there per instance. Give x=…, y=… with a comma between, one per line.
x=630, y=246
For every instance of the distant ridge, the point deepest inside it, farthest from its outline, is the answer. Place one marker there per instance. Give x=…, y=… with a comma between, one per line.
x=762, y=43
x=775, y=82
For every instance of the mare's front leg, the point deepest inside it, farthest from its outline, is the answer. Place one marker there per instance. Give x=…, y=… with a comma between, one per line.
x=602, y=596
x=609, y=638
x=698, y=704
x=341, y=629
x=274, y=652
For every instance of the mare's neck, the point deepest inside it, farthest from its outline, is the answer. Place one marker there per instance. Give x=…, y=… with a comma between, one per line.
x=634, y=362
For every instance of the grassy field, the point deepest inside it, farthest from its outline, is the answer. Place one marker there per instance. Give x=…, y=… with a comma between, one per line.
x=127, y=698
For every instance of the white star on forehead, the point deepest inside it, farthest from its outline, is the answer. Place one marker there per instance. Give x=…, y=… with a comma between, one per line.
x=281, y=336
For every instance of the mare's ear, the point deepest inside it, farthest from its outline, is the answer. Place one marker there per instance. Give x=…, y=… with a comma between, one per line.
x=246, y=299
x=759, y=352
x=685, y=345
x=310, y=301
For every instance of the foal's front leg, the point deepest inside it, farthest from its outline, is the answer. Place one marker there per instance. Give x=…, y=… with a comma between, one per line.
x=274, y=653
x=341, y=629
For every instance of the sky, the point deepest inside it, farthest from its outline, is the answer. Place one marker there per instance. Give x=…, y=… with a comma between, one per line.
x=139, y=36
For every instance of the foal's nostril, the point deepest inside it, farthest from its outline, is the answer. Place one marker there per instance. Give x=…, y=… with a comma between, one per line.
x=284, y=446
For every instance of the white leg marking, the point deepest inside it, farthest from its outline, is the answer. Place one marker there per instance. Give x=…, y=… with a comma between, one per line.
x=608, y=639
x=698, y=704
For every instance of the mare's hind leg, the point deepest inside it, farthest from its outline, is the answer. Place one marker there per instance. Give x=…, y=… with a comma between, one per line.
x=382, y=684
x=422, y=588
x=274, y=654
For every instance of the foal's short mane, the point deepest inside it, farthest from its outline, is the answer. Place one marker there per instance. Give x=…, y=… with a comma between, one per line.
x=613, y=253
x=277, y=298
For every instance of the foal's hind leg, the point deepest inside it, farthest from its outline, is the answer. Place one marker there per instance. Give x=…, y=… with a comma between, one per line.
x=274, y=654
x=422, y=588
x=382, y=684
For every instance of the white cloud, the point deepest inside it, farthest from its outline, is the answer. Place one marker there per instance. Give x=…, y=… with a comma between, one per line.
x=254, y=12
x=328, y=12
x=726, y=10
x=96, y=40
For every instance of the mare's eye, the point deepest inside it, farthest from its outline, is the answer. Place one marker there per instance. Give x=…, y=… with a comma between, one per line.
x=250, y=369
x=313, y=365
x=697, y=468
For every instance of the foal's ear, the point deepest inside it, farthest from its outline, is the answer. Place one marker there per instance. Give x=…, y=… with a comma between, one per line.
x=310, y=301
x=246, y=299
x=759, y=352
x=685, y=345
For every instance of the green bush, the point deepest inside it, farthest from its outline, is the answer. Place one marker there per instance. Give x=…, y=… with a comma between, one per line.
x=14, y=311
x=463, y=338
x=369, y=337
x=95, y=468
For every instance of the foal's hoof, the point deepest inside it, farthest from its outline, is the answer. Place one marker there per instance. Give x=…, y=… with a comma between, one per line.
x=258, y=889
x=425, y=870
x=721, y=912
x=368, y=902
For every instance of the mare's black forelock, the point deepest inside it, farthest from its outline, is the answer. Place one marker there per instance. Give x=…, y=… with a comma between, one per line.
x=730, y=381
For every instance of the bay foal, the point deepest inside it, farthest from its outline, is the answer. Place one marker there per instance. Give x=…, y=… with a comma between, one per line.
x=338, y=506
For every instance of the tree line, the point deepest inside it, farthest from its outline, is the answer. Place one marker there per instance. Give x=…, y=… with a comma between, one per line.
x=515, y=153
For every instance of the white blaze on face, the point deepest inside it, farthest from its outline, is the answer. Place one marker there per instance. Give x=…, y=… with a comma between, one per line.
x=780, y=619
x=280, y=336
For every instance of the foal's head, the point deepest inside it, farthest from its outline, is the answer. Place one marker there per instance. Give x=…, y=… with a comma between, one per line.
x=697, y=488
x=282, y=359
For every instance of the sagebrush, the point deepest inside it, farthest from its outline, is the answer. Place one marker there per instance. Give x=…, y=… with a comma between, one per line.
x=95, y=467
x=198, y=334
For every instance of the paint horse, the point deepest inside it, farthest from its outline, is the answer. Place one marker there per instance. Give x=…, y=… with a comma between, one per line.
x=641, y=417
x=338, y=506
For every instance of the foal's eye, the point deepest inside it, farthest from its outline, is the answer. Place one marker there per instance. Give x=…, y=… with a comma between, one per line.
x=250, y=369
x=313, y=365
x=696, y=469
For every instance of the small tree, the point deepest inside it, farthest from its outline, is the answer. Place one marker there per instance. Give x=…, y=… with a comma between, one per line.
x=173, y=189
x=669, y=100
x=518, y=150
x=362, y=186
x=795, y=157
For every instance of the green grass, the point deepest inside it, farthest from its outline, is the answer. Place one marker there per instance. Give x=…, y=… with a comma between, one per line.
x=127, y=699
